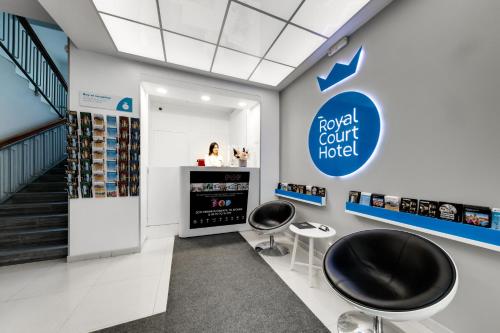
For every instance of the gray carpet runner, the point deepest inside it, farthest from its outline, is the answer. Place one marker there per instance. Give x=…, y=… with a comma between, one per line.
x=219, y=284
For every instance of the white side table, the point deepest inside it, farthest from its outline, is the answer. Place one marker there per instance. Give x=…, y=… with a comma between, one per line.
x=310, y=233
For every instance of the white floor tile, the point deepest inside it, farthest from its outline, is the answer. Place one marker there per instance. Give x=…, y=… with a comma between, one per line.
x=134, y=266
x=39, y=314
x=15, y=278
x=164, y=284
x=113, y=303
x=65, y=277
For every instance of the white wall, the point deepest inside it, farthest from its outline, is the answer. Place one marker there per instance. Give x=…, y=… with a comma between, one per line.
x=144, y=162
x=253, y=136
x=244, y=131
x=20, y=109
x=101, y=73
x=180, y=135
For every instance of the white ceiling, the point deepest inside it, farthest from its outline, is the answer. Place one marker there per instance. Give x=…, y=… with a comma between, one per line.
x=196, y=96
x=261, y=42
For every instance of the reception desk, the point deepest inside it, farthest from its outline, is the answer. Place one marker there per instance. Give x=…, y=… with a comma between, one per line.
x=217, y=200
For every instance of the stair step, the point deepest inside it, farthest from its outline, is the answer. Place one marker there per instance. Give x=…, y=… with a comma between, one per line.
x=32, y=197
x=56, y=170
x=33, y=221
x=33, y=208
x=26, y=254
x=52, y=177
x=11, y=239
x=44, y=187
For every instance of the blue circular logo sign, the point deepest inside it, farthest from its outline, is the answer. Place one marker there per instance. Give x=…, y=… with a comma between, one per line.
x=344, y=133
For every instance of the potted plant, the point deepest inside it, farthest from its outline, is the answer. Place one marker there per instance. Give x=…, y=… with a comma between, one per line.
x=241, y=156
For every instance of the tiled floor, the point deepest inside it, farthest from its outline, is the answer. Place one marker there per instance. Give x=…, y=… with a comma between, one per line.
x=55, y=296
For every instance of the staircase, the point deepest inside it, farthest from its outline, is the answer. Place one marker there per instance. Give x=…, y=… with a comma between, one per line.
x=34, y=220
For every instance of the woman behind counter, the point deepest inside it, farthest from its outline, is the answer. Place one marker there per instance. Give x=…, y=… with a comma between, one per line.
x=213, y=158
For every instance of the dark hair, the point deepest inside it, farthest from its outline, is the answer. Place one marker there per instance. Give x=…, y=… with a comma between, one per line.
x=211, y=149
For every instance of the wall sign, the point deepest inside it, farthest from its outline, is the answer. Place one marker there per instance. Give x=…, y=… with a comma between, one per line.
x=218, y=198
x=346, y=130
x=103, y=101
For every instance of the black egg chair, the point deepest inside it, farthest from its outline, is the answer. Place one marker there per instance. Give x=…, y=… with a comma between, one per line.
x=389, y=275
x=270, y=218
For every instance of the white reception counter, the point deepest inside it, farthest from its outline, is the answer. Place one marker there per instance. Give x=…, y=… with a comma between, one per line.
x=217, y=200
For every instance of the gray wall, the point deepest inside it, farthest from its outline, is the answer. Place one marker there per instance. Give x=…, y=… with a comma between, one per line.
x=434, y=68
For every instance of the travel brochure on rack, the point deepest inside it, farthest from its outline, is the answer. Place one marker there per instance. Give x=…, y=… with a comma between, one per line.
x=447, y=211
x=105, y=152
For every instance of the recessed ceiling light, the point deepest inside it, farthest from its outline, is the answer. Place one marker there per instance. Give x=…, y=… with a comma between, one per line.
x=205, y=98
x=242, y=104
x=325, y=16
x=144, y=11
x=134, y=38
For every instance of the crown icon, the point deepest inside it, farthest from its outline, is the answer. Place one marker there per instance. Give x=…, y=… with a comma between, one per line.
x=340, y=72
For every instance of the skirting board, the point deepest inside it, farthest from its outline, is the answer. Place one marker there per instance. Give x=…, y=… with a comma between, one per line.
x=161, y=231
x=104, y=254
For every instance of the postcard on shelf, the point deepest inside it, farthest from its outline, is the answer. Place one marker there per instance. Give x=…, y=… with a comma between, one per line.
x=301, y=189
x=450, y=211
x=392, y=202
x=354, y=196
x=308, y=189
x=428, y=208
x=495, y=218
x=365, y=199
x=378, y=200
x=408, y=205
x=478, y=216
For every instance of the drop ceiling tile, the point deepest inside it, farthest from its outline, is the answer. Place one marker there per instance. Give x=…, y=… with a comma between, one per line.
x=327, y=16
x=280, y=8
x=270, y=73
x=200, y=19
x=249, y=31
x=294, y=45
x=144, y=11
x=188, y=52
x=235, y=64
x=134, y=38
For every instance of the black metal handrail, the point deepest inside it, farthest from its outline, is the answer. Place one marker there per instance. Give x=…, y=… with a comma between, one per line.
x=23, y=47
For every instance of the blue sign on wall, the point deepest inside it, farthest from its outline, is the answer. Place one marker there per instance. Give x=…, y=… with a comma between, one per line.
x=346, y=130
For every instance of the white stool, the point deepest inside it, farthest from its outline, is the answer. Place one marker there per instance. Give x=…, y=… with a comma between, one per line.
x=310, y=233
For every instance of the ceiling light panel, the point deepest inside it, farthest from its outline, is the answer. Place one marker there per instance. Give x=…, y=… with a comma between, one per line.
x=270, y=73
x=134, y=38
x=249, y=31
x=283, y=8
x=144, y=11
x=294, y=45
x=200, y=19
x=188, y=52
x=327, y=16
x=234, y=63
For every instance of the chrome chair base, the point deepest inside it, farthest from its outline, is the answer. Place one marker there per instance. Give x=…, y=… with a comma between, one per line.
x=359, y=322
x=271, y=248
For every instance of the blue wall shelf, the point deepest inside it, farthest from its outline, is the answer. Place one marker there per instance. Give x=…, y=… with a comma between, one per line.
x=307, y=198
x=478, y=236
